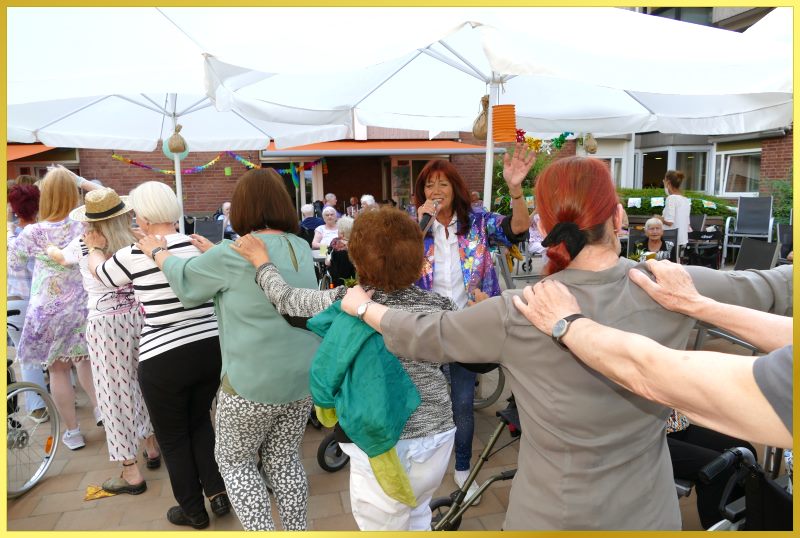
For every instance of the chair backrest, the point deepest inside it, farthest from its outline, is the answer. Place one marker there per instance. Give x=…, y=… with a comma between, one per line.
x=785, y=239
x=756, y=254
x=754, y=215
x=307, y=234
x=697, y=222
x=634, y=236
x=208, y=228
x=672, y=235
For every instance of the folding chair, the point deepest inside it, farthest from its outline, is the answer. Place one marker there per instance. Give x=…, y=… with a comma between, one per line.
x=208, y=228
x=785, y=241
x=753, y=219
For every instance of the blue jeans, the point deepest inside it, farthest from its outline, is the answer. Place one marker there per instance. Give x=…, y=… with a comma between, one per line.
x=462, y=392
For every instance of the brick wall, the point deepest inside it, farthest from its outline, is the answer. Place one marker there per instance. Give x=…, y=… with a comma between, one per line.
x=776, y=161
x=203, y=192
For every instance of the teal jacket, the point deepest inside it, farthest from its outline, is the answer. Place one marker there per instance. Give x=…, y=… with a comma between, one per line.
x=354, y=373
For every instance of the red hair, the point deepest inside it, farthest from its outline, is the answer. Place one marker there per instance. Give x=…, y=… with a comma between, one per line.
x=579, y=190
x=24, y=200
x=461, y=198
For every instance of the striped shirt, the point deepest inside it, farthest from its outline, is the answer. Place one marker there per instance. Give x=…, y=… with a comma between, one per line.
x=168, y=324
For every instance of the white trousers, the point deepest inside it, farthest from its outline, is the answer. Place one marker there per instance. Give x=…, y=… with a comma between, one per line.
x=425, y=460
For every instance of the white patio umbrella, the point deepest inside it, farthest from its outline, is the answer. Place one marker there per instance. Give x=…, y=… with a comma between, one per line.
x=638, y=73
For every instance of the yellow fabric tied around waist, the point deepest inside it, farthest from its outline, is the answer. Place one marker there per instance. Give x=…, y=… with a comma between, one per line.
x=386, y=467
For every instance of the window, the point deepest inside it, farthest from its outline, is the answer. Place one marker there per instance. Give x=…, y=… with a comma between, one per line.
x=738, y=172
x=615, y=165
x=694, y=165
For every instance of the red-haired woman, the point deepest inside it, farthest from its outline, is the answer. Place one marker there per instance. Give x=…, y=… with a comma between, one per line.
x=458, y=263
x=592, y=455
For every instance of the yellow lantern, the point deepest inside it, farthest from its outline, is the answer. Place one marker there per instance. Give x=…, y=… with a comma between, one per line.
x=504, y=123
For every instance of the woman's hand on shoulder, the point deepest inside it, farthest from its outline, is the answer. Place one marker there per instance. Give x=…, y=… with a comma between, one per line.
x=251, y=249
x=149, y=242
x=355, y=297
x=547, y=302
x=201, y=242
x=94, y=239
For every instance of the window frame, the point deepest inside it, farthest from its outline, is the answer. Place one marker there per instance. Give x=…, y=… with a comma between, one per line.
x=723, y=180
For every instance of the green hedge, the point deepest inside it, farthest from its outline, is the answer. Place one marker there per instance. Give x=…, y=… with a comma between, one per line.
x=695, y=197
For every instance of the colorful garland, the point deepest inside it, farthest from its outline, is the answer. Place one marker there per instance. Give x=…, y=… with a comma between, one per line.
x=193, y=170
x=537, y=144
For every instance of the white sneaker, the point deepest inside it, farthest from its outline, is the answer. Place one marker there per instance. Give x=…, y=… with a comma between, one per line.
x=39, y=415
x=98, y=418
x=459, y=477
x=73, y=439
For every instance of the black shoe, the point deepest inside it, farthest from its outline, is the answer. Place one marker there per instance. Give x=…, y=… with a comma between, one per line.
x=177, y=516
x=220, y=504
x=152, y=463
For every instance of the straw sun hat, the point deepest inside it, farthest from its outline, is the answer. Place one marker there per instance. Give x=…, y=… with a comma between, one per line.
x=101, y=204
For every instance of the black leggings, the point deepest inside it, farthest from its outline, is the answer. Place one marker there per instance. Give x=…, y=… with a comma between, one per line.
x=178, y=387
x=690, y=450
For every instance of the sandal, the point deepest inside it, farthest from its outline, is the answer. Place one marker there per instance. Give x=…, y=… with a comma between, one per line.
x=152, y=463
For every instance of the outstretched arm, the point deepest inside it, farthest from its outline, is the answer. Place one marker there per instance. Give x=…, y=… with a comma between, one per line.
x=714, y=389
x=515, y=168
x=674, y=290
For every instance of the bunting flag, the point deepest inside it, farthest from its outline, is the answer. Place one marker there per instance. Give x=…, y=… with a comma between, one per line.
x=193, y=170
x=295, y=177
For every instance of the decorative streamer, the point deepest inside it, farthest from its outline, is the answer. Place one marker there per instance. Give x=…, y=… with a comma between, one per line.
x=193, y=170
x=537, y=144
x=295, y=177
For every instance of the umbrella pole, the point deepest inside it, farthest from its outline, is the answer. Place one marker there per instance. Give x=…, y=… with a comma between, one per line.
x=179, y=191
x=494, y=98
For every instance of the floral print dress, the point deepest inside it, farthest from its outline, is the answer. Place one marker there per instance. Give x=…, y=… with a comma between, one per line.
x=55, y=323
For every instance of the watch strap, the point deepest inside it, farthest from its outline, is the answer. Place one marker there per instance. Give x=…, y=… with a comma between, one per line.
x=156, y=251
x=362, y=310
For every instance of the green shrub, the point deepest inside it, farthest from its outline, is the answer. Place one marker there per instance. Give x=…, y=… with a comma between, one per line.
x=500, y=189
x=696, y=198
x=782, y=200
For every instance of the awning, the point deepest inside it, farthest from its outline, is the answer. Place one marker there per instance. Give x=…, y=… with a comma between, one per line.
x=363, y=148
x=19, y=151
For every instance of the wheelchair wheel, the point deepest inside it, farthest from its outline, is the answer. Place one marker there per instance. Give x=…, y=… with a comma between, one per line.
x=330, y=455
x=489, y=387
x=313, y=420
x=31, y=444
x=440, y=506
x=325, y=282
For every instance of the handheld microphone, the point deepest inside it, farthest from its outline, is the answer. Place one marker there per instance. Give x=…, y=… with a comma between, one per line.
x=425, y=223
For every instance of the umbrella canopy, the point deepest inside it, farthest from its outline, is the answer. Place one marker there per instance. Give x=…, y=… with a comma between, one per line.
x=629, y=72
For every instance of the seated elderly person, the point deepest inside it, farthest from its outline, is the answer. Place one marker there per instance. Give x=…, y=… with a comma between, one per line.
x=338, y=261
x=386, y=249
x=324, y=234
x=654, y=230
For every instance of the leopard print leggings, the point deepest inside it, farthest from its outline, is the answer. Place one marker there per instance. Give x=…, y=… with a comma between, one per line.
x=242, y=427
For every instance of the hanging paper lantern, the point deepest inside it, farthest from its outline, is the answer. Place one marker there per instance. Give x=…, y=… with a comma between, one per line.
x=590, y=144
x=504, y=123
x=169, y=154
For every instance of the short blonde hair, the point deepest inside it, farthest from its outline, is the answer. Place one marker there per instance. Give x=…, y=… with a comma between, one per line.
x=116, y=230
x=156, y=202
x=345, y=226
x=59, y=195
x=653, y=221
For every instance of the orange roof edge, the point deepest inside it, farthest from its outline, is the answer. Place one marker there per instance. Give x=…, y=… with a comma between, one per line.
x=345, y=145
x=19, y=151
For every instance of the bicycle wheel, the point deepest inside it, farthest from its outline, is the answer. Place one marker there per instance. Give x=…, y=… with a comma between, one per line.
x=440, y=506
x=31, y=444
x=325, y=282
x=330, y=455
x=489, y=387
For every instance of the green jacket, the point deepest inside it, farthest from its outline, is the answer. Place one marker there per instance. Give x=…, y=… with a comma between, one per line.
x=369, y=389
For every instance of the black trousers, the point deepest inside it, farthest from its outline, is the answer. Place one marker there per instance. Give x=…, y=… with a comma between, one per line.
x=690, y=450
x=178, y=387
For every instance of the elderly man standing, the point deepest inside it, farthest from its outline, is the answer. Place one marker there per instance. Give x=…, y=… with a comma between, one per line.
x=330, y=200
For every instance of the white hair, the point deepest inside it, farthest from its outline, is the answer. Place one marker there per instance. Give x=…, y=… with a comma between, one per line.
x=328, y=209
x=345, y=226
x=330, y=196
x=653, y=221
x=307, y=210
x=367, y=199
x=156, y=202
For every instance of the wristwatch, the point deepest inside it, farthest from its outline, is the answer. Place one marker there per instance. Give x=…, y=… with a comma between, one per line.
x=92, y=249
x=362, y=309
x=562, y=326
x=156, y=251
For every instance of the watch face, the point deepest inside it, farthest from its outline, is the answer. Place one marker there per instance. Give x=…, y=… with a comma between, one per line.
x=559, y=328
